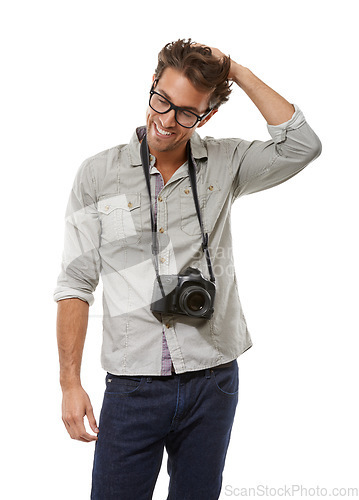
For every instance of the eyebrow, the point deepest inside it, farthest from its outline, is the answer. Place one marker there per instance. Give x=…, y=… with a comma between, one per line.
x=190, y=108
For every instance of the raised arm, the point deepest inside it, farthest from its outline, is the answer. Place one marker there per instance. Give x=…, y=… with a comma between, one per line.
x=274, y=108
x=259, y=165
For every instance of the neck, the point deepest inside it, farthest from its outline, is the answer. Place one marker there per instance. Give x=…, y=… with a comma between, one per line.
x=170, y=159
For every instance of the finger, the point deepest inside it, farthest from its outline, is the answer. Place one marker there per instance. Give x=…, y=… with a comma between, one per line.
x=77, y=430
x=91, y=419
x=73, y=434
x=81, y=434
x=69, y=429
x=87, y=438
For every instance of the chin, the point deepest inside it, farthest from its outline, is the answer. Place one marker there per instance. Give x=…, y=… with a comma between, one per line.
x=158, y=144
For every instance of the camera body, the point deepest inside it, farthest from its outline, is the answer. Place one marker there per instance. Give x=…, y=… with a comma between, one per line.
x=188, y=293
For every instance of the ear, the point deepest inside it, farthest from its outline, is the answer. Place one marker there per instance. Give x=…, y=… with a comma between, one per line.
x=213, y=112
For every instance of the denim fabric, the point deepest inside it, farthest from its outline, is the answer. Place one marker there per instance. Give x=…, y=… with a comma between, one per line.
x=189, y=414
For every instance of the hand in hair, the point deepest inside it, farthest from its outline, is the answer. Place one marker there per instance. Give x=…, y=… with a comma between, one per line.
x=217, y=53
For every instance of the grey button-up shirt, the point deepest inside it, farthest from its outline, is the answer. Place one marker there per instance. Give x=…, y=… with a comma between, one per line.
x=108, y=232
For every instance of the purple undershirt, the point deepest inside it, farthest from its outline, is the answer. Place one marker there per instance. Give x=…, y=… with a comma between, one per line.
x=166, y=362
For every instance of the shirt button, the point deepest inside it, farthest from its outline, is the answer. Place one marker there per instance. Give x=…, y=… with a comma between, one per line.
x=186, y=191
x=130, y=204
x=107, y=208
x=163, y=259
x=161, y=230
x=210, y=188
x=159, y=198
x=168, y=325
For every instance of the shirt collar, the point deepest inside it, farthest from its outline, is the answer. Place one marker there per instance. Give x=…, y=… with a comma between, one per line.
x=198, y=149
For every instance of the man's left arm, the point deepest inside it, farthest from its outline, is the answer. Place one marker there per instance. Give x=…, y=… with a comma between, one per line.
x=274, y=108
x=259, y=165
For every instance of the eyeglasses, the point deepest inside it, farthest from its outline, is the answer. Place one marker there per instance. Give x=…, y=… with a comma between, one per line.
x=183, y=116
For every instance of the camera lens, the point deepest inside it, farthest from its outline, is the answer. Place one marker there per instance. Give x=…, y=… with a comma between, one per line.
x=195, y=301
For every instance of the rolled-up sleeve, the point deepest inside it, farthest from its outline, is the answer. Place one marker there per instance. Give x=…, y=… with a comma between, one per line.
x=259, y=165
x=80, y=267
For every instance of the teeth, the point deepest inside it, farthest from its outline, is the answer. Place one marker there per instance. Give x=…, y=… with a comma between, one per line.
x=161, y=131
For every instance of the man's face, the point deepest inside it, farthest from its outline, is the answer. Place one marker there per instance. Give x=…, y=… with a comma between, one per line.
x=163, y=132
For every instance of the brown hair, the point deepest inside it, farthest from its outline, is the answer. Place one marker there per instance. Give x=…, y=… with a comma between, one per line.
x=205, y=71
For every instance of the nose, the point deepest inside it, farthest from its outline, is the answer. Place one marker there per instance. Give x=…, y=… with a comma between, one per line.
x=168, y=119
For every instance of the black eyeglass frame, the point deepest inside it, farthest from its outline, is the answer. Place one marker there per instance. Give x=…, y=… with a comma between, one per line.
x=176, y=108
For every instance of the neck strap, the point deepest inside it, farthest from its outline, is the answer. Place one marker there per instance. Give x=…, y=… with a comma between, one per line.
x=192, y=176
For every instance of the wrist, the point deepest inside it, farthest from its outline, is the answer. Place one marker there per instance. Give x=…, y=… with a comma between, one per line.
x=67, y=382
x=238, y=73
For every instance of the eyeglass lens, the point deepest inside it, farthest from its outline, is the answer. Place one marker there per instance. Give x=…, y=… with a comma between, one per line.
x=161, y=105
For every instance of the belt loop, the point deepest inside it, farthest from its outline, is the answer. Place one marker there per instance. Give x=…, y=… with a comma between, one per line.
x=149, y=379
x=207, y=373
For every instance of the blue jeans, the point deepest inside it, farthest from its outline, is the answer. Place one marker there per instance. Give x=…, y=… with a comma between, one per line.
x=191, y=414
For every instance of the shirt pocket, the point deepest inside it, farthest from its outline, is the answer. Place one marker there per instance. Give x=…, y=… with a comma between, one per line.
x=209, y=202
x=121, y=218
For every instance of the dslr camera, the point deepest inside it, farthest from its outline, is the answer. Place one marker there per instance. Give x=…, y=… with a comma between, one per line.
x=188, y=293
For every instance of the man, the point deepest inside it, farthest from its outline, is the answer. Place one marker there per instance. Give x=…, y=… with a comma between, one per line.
x=172, y=377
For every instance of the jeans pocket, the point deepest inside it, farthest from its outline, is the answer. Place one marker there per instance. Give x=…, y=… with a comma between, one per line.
x=226, y=380
x=122, y=385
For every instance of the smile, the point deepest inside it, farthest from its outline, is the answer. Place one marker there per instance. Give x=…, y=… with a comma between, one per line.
x=161, y=132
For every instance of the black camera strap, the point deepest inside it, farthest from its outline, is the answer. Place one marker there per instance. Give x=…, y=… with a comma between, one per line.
x=192, y=175
x=146, y=168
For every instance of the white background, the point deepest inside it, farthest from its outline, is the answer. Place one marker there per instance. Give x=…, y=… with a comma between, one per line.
x=75, y=81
